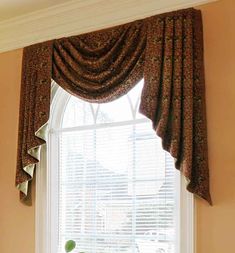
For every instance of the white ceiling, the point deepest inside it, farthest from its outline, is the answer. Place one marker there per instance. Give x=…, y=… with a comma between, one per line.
x=13, y=8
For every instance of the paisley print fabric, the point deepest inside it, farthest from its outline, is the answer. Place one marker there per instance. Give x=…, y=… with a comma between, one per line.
x=166, y=50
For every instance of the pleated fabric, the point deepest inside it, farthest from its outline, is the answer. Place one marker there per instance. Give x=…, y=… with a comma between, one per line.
x=166, y=50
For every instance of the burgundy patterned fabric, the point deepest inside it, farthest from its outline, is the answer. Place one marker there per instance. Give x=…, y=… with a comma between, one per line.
x=166, y=50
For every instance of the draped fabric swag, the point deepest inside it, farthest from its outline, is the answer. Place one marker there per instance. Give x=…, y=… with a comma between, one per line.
x=166, y=50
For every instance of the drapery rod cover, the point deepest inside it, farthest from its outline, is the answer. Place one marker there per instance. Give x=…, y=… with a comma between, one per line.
x=166, y=50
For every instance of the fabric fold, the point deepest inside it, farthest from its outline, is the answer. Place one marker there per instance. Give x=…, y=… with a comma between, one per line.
x=34, y=111
x=166, y=50
x=174, y=87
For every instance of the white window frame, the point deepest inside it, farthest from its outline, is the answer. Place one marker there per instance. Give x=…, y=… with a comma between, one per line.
x=46, y=211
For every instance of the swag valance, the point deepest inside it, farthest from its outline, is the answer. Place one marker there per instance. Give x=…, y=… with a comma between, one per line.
x=166, y=50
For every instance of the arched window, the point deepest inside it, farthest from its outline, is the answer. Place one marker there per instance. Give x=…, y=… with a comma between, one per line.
x=111, y=187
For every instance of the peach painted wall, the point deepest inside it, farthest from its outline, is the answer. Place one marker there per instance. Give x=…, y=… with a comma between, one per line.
x=215, y=225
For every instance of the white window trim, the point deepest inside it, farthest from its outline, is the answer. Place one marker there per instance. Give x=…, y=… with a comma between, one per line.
x=46, y=213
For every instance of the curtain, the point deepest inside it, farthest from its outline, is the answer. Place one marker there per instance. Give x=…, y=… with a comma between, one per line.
x=166, y=50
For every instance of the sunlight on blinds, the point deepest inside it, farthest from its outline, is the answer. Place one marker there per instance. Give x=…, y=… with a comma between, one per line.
x=117, y=185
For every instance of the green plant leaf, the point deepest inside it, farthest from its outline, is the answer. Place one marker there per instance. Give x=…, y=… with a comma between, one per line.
x=70, y=245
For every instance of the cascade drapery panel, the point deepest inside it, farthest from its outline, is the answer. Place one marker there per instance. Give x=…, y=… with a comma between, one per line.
x=166, y=50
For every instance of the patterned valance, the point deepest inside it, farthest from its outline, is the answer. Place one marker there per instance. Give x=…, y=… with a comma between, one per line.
x=166, y=50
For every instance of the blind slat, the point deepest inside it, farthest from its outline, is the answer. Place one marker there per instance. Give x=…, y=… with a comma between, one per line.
x=116, y=189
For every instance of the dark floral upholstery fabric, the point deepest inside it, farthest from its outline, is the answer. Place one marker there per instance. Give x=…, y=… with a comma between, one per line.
x=166, y=50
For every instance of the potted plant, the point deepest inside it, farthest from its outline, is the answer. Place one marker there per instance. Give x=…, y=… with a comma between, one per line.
x=69, y=246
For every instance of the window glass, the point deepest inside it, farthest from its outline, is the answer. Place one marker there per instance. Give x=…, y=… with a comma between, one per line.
x=117, y=189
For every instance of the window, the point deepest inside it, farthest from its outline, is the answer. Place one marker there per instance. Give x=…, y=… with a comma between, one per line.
x=110, y=186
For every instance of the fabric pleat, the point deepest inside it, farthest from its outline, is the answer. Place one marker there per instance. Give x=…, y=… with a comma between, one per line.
x=101, y=66
x=166, y=50
x=174, y=91
x=34, y=112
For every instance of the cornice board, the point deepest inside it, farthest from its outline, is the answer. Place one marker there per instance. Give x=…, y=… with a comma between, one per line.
x=79, y=16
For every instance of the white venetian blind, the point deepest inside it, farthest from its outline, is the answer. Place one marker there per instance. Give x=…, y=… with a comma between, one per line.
x=116, y=184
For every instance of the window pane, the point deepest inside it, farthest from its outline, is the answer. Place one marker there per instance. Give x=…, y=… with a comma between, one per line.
x=77, y=113
x=117, y=187
x=135, y=92
x=118, y=110
x=116, y=190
